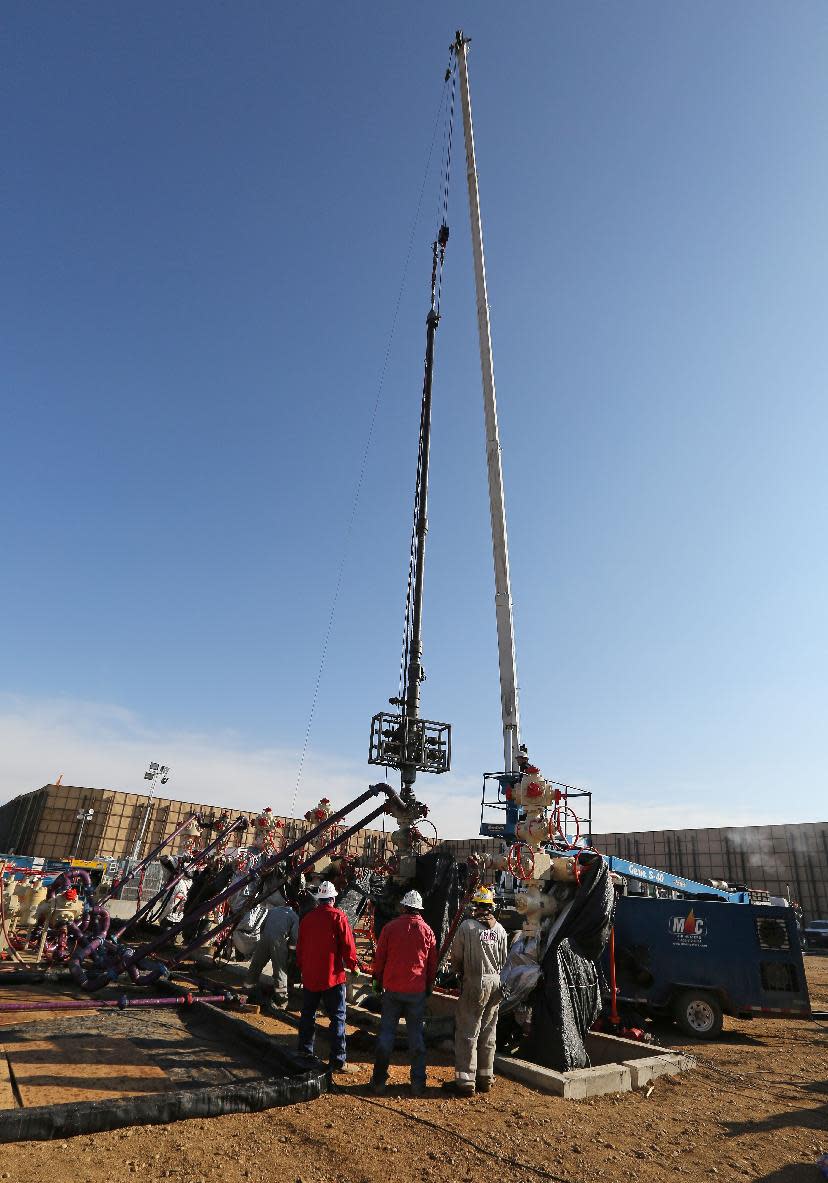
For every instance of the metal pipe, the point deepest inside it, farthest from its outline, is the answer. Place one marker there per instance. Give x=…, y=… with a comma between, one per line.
x=129, y=963
x=142, y=912
x=122, y=1003
x=251, y=903
x=152, y=854
x=258, y=872
x=129, y=960
x=500, y=547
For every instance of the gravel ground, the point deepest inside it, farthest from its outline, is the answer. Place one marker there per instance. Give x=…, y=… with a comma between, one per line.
x=756, y=1108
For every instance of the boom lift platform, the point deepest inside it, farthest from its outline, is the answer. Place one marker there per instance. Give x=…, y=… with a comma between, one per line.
x=676, y=885
x=576, y=823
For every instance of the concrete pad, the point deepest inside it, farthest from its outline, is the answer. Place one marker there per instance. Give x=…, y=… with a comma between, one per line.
x=574, y=1086
x=603, y=1048
x=645, y=1070
x=596, y=1082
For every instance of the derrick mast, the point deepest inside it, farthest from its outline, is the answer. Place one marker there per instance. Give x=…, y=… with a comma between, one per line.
x=402, y=739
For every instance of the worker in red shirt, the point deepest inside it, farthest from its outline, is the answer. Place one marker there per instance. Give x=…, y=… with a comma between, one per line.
x=405, y=966
x=324, y=950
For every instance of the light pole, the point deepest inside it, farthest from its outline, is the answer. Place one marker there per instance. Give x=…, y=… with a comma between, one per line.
x=83, y=816
x=154, y=774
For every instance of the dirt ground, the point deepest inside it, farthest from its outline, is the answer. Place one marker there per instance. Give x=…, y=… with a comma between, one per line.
x=755, y=1108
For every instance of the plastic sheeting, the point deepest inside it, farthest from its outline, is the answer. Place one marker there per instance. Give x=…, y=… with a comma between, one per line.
x=441, y=881
x=354, y=898
x=521, y=973
x=292, y=1078
x=44, y=1122
x=206, y=883
x=567, y=1001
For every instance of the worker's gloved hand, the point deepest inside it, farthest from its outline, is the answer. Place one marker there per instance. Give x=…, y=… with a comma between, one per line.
x=376, y=986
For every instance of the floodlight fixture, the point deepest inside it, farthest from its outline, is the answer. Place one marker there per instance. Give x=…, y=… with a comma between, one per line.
x=83, y=816
x=153, y=774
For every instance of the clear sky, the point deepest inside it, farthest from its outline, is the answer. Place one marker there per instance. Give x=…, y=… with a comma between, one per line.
x=206, y=211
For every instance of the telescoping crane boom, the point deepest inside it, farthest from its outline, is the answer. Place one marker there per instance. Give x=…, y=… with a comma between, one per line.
x=510, y=712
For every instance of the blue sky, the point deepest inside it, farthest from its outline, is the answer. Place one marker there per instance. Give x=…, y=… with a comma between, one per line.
x=206, y=216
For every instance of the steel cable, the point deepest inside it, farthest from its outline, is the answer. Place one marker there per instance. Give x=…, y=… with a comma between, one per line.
x=366, y=450
x=436, y=293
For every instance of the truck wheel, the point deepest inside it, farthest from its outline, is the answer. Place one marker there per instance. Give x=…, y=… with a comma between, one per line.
x=699, y=1015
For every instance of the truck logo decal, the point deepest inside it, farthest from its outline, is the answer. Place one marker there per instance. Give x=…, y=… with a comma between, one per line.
x=688, y=930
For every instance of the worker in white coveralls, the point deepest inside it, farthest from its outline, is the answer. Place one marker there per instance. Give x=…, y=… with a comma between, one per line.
x=478, y=952
x=277, y=938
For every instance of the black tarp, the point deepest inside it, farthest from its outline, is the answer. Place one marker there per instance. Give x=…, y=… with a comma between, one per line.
x=360, y=889
x=287, y=1078
x=207, y=882
x=440, y=880
x=567, y=1000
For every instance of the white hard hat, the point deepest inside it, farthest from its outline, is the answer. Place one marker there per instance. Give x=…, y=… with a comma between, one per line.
x=326, y=891
x=412, y=899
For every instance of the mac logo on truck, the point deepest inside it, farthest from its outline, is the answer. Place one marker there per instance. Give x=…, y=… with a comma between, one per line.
x=687, y=930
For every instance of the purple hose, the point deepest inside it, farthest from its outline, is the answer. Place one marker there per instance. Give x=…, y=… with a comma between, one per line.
x=56, y=886
x=121, y=1003
x=238, y=824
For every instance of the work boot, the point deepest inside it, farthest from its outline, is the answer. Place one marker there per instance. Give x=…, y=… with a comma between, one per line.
x=377, y=1088
x=458, y=1088
x=343, y=1069
x=484, y=1083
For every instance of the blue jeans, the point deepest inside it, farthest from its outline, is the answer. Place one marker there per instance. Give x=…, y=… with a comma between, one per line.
x=394, y=1006
x=333, y=1001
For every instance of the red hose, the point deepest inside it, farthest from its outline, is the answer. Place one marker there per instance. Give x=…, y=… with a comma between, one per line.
x=474, y=879
x=613, y=984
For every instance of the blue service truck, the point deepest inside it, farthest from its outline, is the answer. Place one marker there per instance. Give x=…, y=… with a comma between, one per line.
x=695, y=953
x=686, y=950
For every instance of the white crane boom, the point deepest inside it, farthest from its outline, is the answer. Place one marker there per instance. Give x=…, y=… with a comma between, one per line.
x=500, y=547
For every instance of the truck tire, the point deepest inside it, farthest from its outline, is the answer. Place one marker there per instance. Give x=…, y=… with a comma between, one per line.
x=698, y=1014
